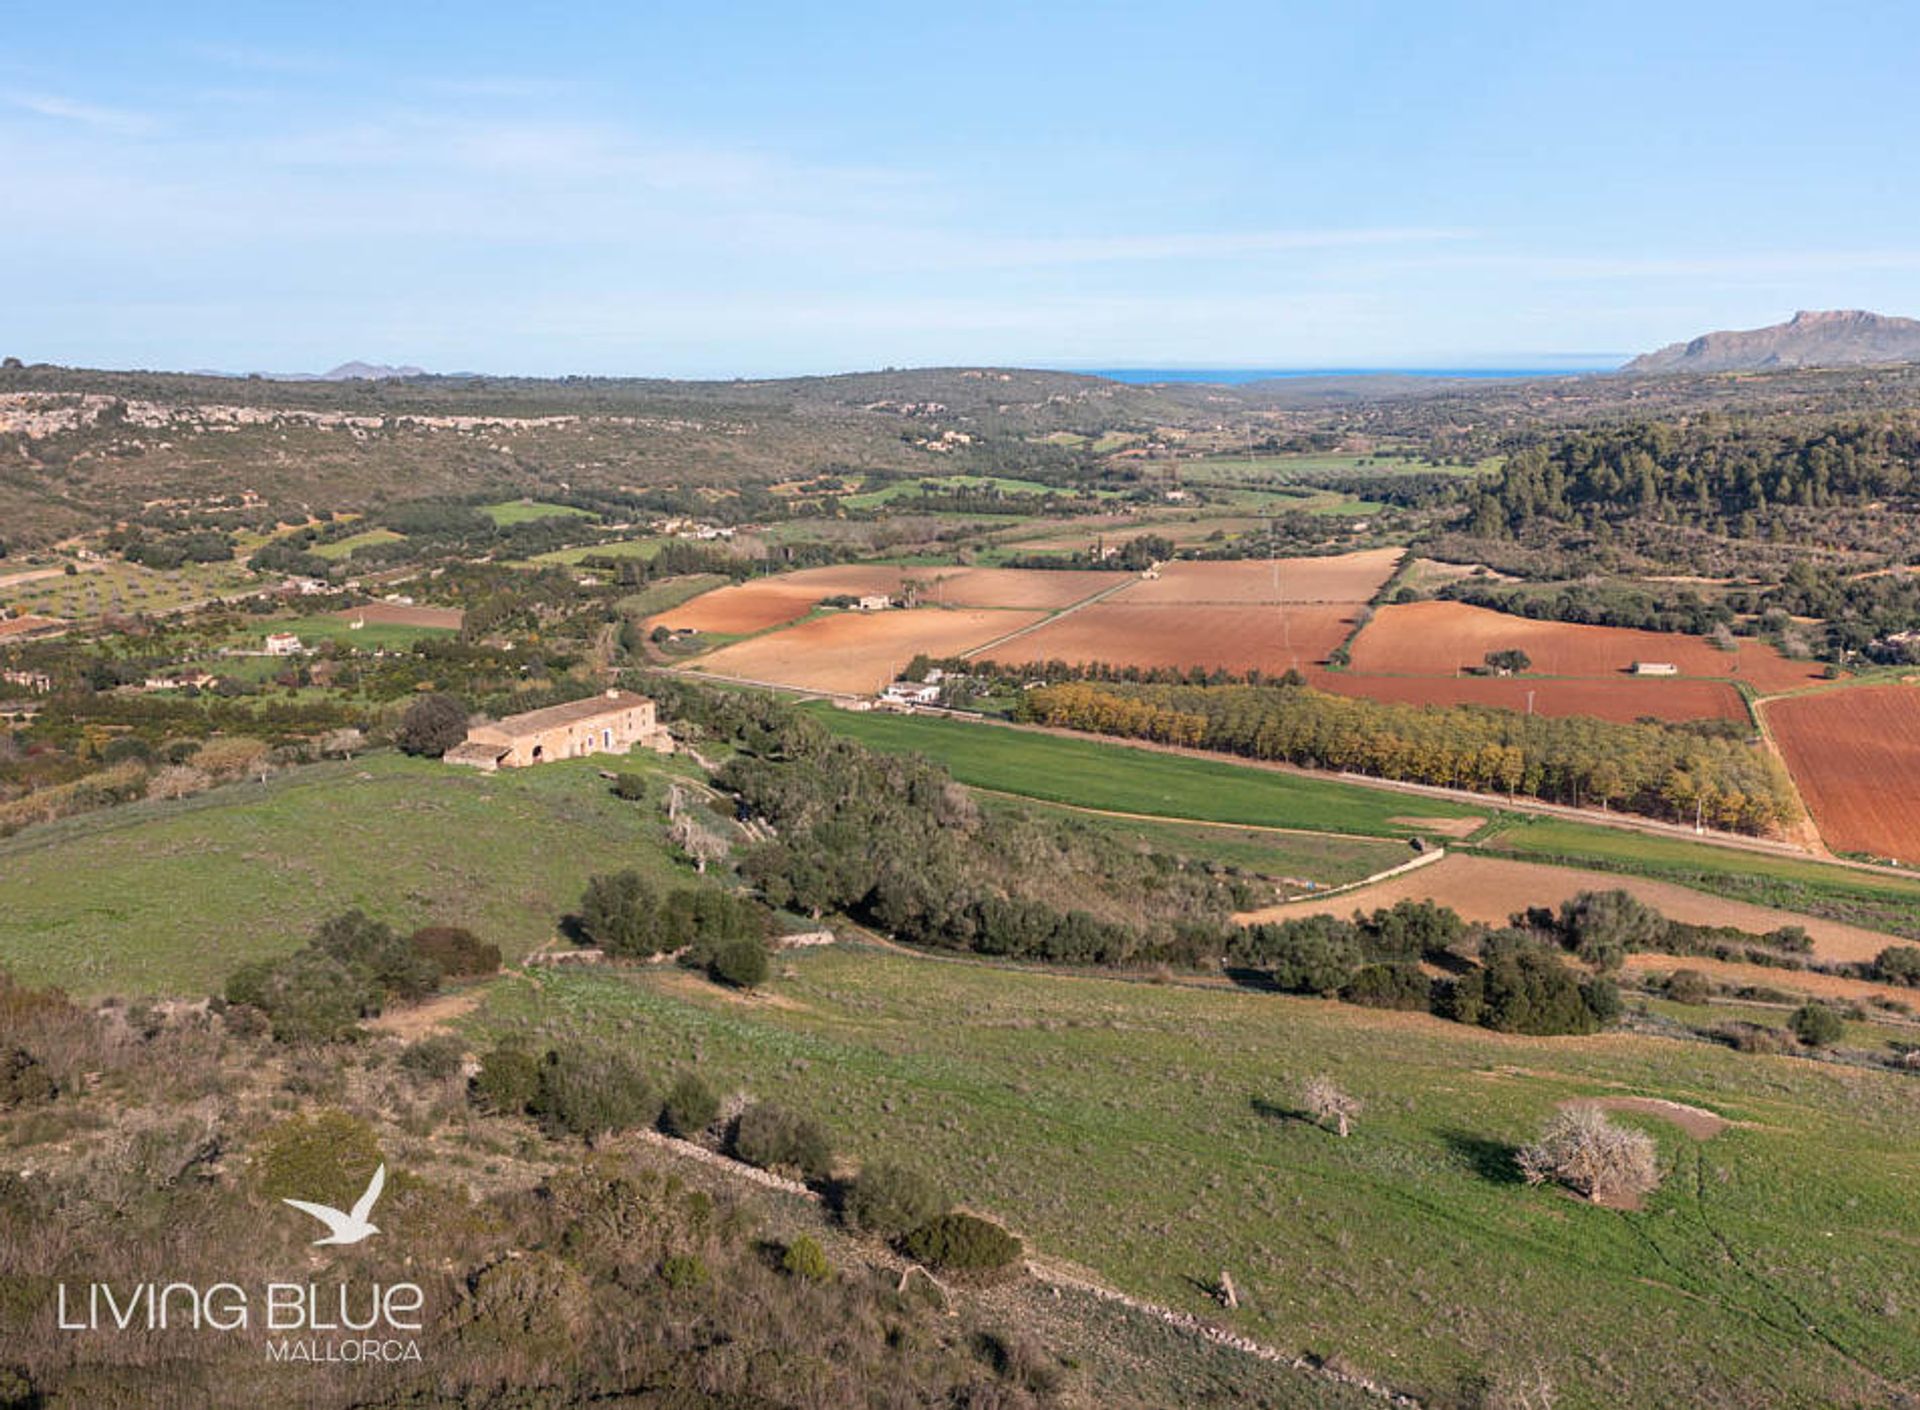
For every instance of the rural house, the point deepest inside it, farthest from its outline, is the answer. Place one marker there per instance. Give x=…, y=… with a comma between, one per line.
x=1655, y=668
x=283, y=644
x=601, y=724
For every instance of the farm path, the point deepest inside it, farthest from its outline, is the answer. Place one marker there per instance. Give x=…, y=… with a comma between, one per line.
x=1127, y=580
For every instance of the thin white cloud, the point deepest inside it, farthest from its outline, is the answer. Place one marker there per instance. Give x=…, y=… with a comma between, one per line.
x=118, y=121
x=256, y=59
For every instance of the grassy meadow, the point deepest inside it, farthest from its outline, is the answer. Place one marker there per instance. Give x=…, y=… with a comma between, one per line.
x=1149, y=1132
x=167, y=897
x=1092, y=774
x=518, y=511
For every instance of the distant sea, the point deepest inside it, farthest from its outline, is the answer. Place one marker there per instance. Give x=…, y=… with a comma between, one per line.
x=1233, y=376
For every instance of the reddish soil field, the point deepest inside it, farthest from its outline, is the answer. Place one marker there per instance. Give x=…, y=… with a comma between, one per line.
x=770, y=602
x=25, y=626
x=1491, y=889
x=1440, y=638
x=1855, y=755
x=1622, y=701
x=858, y=653
x=1242, y=638
x=1350, y=577
x=394, y=614
x=1011, y=587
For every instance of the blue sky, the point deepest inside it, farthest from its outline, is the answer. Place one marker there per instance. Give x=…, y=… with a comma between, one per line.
x=742, y=189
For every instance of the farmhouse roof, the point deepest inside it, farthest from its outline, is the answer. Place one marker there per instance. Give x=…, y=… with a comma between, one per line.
x=574, y=711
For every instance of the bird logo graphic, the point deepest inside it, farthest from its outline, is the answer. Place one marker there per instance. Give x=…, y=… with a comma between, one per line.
x=352, y=1227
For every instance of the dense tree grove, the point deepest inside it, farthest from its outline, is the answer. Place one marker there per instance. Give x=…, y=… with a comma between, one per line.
x=1706, y=472
x=1660, y=770
x=347, y=972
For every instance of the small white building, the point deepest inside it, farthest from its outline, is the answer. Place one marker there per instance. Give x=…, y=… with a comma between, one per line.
x=875, y=602
x=911, y=693
x=284, y=644
x=1655, y=668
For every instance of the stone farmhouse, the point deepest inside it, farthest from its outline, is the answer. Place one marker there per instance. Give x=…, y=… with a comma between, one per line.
x=601, y=724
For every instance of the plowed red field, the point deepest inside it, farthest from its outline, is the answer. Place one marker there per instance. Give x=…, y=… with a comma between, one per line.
x=859, y=652
x=1440, y=638
x=1349, y=577
x=1237, y=638
x=1855, y=755
x=769, y=602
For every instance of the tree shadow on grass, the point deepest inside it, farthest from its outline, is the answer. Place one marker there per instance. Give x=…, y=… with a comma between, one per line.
x=575, y=930
x=1491, y=1160
x=1278, y=1113
x=1256, y=979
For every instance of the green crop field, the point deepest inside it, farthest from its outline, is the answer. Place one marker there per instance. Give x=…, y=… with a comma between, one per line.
x=1150, y=1133
x=515, y=511
x=167, y=897
x=330, y=627
x=1093, y=774
x=613, y=548
x=867, y=499
x=1877, y=900
x=1324, y=859
x=366, y=538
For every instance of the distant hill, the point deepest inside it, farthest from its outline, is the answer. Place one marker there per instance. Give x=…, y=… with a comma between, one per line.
x=369, y=372
x=1838, y=338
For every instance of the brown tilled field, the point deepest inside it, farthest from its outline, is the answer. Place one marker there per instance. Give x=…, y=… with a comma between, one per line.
x=1491, y=889
x=1237, y=638
x=771, y=602
x=1622, y=701
x=1011, y=587
x=857, y=653
x=768, y=602
x=1442, y=638
x=1349, y=577
x=1855, y=755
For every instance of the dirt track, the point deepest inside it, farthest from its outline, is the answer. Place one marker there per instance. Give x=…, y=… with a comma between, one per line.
x=1490, y=889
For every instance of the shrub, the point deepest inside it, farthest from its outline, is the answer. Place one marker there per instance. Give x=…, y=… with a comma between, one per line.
x=1816, y=1025
x=741, y=963
x=962, y=1243
x=1898, y=964
x=458, y=953
x=1581, y=1149
x=589, y=1092
x=1688, y=986
x=631, y=787
x=435, y=1059
x=24, y=1079
x=326, y=1158
x=620, y=913
x=691, y=1107
x=1312, y=955
x=1756, y=1038
x=432, y=725
x=1603, y=927
x=508, y=1081
x=805, y=1258
x=683, y=1271
x=772, y=1137
x=889, y=1199
x=1524, y=988
x=1602, y=997
x=1388, y=986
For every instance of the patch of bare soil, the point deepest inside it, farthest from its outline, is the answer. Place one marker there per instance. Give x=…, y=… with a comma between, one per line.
x=1446, y=827
x=435, y=1015
x=1697, y=1122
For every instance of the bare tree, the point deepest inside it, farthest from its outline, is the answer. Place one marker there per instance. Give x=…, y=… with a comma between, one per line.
x=1327, y=1104
x=1581, y=1149
x=701, y=844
